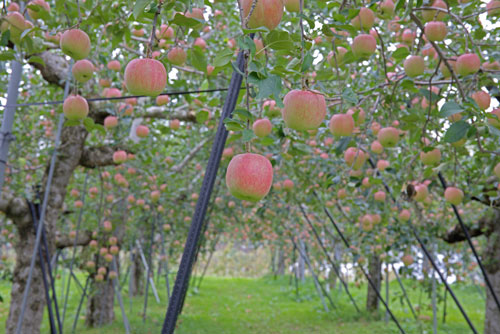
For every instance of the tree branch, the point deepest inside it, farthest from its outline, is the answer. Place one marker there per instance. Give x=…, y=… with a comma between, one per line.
x=64, y=240
x=187, y=158
x=98, y=156
x=456, y=234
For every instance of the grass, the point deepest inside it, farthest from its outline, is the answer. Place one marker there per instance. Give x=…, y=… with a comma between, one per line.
x=268, y=305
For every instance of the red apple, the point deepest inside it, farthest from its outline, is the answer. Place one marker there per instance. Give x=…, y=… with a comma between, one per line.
x=75, y=43
x=304, y=110
x=82, y=70
x=365, y=19
x=114, y=65
x=145, y=77
x=110, y=122
x=433, y=14
x=267, y=13
x=363, y=45
x=388, y=137
x=414, y=66
x=341, y=125
x=75, y=108
x=142, y=131
x=431, y=158
x=162, y=100
x=177, y=56
x=119, y=157
x=435, y=31
x=482, y=99
x=249, y=176
x=262, y=127
x=468, y=63
x=453, y=195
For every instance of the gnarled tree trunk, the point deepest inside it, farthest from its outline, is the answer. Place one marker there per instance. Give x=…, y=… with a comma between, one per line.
x=491, y=259
x=100, y=309
x=375, y=272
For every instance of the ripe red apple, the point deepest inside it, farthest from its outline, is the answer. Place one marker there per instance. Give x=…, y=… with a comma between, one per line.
x=386, y=9
x=407, y=260
x=421, y=192
x=114, y=65
x=482, y=99
x=200, y=42
x=249, y=176
x=363, y=45
x=210, y=70
x=341, y=125
x=111, y=92
x=162, y=100
x=82, y=70
x=90, y=265
x=341, y=193
x=379, y=196
x=365, y=19
x=13, y=7
x=376, y=147
x=195, y=13
x=435, y=31
x=110, y=122
x=493, y=8
x=145, y=77
x=262, y=127
x=304, y=110
x=382, y=164
x=358, y=114
x=468, y=63
x=367, y=223
x=388, y=137
x=155, y=195
x=177, y=56
x=35, y=15
x=408, y=36
x=431, y=158
x=119, y=157
x=414, y=66
x=292, y=5
x=142, y=131
x=267, y=13
x=75, y=108
x=366, y=182
x=165, y=32
x=78, y=204
x=288, y=185
x=433, y=14
x=496, y=170
x=494, y=119
x=175, y=124
x=139, y=32
x=404, y=215
x=75, y=43
x=355, y=158
x=338, y=56
x=453, y=195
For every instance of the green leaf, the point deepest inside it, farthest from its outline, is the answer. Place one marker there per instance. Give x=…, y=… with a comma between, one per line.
x=233, y=125
x=5, y=38
x=243, y=114
x=202, y=116
x=456, y=131
x=247, y=135
x=269, y=86
x=279, y=40
x=306, y=64
x=223, y=57
x=197, y=59
x=400, y=53
x=7, y=55
x=37, y=59
x=139, y=7
x=256, y=30
x=71, y=123
x=349, y=95
x=184, y=21
x=89, y=124
x=266, y=141
x=449, y=108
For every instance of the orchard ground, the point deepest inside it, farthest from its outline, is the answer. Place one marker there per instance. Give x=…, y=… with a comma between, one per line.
x=268, y=304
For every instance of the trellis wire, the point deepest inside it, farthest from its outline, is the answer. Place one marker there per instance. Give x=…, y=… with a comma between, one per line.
x=181, y=284
x=428, y=255
x=74, y=245
x=471, y=245
x=44, y=208
x=117, y=98
x=334, y=266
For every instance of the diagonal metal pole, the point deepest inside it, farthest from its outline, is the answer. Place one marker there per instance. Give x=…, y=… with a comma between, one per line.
x=116, y=285
x=146, y=266
x=77, y=315
x=471, y=245
x=73, y=256
x=188, y=256
x=44, y=208
x=6, y=135
x=334, y=266
x=404, y=292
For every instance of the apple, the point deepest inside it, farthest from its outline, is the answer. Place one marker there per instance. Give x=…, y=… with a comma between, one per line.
x=262, y=127
x=78, y=204
x=267, y=13
x=42, y=5
x=75, y=43
x=435, y=31
x=175, y=124
x=165, y=32
x=379, y=196
x=382, y=164
x=145, y=77
x=304, y=110
x=496, y=170
x=388, y=137
x=335, y=59
x=13, y=7
x=114, y=65
x=407, y=260
x=493, y=8
x=75, y=108
x=195, y=13
x=366, y=182
x=142, y=131
x=177, y=56
x=210, y=69
x=414, y=66
x=453, y=195
x=111, y=92
x=288, y=185
x=386, y=9
x=341, y=125
x=249, y=176
x=433, y=14
x=119, y=157
x=494, y=118
x=468, y=63
x=421, y=192
x=82, y=70
x=367, y=223
x=162, y=100
x=200, y=42
x=482, y=99
x=138, y=32
x=155, y=196
x=431, y=158
x=364, y=20
x=376, y=147
x=110, y=122
x=355, y=157
x=292, y=5
x=363, y=45
x=404, y=215
x=408, y=36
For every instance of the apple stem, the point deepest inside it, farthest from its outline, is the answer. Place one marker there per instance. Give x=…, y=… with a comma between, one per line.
x=153, y=30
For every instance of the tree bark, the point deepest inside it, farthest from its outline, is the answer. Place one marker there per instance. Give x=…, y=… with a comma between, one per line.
x=491, y=261
x=100, y=309
x=136, y=284
x=375, y=272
